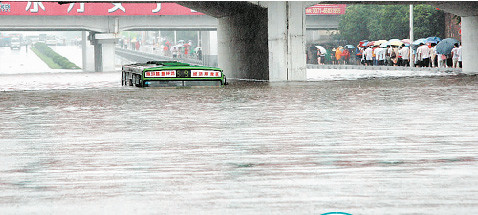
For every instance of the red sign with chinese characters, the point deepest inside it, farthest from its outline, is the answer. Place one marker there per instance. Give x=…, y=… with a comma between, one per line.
x=161, y=74
x=205, y=73
x=326, y=9
x=92, y=9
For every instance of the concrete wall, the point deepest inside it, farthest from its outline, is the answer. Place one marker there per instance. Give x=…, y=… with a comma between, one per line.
x=469, y=39
x=243, y=45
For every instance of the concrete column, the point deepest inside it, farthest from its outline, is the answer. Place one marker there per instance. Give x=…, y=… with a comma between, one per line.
x=242, y=45
x=209, y=48
x=84, y=54
x=98, y=58
x=108, y=50
x=287, y=58
x=469, y=38
x=104, y=51
x=199, y=39
x=87, y=53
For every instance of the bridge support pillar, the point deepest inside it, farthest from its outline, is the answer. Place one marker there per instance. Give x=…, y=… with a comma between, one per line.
x=209, y=52
x=469, y=37
x=286, y=30
x=242, y=45
x=87, y=53
x=104, y=49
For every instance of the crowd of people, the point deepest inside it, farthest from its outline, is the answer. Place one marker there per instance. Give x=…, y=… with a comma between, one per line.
x=338, y=55
x=180, y=50
x=166, y=48
x=425, y=55
x=398, y=54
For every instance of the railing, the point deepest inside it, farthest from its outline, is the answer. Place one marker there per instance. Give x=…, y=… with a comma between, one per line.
x=361, y=67
x=141, y=57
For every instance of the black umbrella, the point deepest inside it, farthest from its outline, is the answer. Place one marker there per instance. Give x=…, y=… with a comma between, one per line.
x=445, y=46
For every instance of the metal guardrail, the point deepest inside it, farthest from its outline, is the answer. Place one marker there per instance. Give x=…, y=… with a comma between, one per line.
x=141, y=57
x=361, y=67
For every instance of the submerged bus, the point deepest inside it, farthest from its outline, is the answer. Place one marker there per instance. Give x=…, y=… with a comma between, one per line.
x=171, y=74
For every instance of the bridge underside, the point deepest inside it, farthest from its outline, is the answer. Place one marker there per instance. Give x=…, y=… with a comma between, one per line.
x=242, y=45
x=242, y=48
x=250, y=45
x=256, y=40
x=242, y=37
x=263, y=41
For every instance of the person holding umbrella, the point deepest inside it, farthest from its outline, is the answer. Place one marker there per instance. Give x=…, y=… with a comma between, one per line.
x=444, y=48
x=368, y=56
x=358, y=55
x=405, y=53
x=423, y=53
x=388, y=56
x=441, y=60
x=338, y=55
x=319, y=54
x=380, y=54
x=345, y=56
x=362, y=56
x=454, y=56
x=433, y=55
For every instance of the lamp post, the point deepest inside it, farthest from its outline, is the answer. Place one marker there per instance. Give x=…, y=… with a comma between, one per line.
x=412, y=61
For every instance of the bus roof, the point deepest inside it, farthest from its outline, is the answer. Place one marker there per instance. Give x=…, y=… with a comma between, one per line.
x=151, y=65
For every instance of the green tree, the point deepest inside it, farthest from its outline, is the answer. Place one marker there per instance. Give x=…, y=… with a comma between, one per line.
x=353, y=25
x=378, y=22
x=390, y=22
x=428, y=22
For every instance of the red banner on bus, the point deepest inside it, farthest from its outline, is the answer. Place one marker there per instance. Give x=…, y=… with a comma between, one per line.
x=92, y=9
x=326, y=9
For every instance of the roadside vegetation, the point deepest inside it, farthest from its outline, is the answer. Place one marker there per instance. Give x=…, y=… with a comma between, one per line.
x=51, y=58
x=378, y=22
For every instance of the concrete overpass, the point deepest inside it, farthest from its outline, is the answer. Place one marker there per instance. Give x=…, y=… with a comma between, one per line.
x=134, y=23
x=256, y=40
x=107, y=24
x=278, y=31
x=103, y=30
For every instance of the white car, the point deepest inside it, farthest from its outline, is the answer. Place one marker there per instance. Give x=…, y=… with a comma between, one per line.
x=15, y=43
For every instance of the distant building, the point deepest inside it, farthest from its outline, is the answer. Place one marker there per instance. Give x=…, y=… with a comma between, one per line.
x=323, y=21
x=452, y=28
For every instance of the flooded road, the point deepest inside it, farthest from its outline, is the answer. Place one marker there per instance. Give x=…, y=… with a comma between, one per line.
x=20, y=61
x=81, y=143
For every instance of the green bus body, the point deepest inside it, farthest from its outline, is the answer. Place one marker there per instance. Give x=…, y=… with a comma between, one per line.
x=171, y=74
